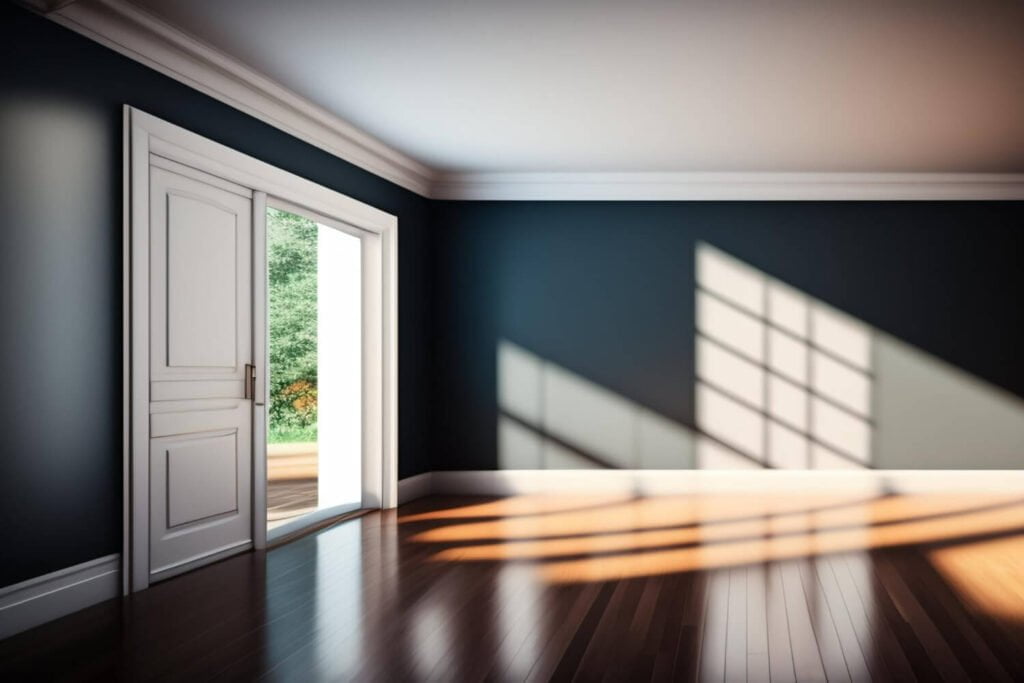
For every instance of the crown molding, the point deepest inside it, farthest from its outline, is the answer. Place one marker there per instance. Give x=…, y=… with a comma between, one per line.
x=45, y=6
x=143, y=37
x=728, y=186
x=133, y=32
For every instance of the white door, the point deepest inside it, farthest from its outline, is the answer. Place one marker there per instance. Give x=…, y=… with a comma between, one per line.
x=195, y=323
x=201, y=355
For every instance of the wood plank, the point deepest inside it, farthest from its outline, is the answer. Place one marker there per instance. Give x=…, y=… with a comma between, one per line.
x=780, y=652
x=877, y=642
x=573, y=606
x=890, y=621
x=758, y=668
x=659, y=655
x=819, y=572
x=736, y=626
x=829, y=645
x=716, y=628
x=607, y=640
x=937, y=647
x=686, y=666
x=644, y=629
x=807, y=661
x=570, y=662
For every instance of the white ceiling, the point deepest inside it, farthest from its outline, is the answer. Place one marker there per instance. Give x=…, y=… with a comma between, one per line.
x=648, y=85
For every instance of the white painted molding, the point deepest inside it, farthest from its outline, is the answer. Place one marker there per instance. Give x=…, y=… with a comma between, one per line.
x=414, y=487
x=145, y=38
x=45, y=6
x=664, y=482
x=59, y=593
x=728, y=186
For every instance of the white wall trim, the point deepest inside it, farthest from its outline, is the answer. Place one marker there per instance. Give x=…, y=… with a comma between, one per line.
x=44, y=598
x=145, y=38
x=663, y=482
x=148, y=39
x=416, y=486
x=728, y=186
x=45, y=6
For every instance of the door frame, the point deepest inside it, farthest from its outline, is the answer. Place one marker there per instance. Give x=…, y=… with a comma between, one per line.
x=145, y=134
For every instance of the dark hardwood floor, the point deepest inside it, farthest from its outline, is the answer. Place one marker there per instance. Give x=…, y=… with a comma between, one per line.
x=714, y=588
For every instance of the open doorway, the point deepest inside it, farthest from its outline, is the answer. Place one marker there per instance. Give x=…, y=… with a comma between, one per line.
x=197, y=373
x=314, y=410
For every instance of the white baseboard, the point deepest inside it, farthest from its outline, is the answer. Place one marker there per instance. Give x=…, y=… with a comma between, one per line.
x=664, y=482
x=43, y=598
x=415, y=487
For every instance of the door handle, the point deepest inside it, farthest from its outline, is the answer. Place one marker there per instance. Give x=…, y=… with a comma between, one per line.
x=250, y=381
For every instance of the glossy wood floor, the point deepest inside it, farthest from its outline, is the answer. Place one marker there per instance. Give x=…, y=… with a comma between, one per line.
x=713, y=588
x=290, y=498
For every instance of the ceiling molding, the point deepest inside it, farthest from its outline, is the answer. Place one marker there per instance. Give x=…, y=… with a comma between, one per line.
x=729, y=186
x=133, y=32
x=44, y=6
x=145, y=38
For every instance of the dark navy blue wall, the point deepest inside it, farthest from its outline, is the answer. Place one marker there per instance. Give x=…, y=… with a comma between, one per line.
x=61, y=98
x=606, y=290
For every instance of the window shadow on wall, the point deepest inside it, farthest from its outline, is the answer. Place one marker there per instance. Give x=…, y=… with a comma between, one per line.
x=781, y=377
x=783, y=381
x=551, y=418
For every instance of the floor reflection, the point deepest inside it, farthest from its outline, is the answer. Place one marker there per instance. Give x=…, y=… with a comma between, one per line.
x=787, y=586
x=780, y=587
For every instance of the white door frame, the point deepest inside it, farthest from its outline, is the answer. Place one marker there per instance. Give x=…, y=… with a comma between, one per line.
x=370, y=466
x=145, y=135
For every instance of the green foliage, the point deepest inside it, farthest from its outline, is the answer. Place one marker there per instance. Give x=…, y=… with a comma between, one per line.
x=292, y=260
x=292, y=435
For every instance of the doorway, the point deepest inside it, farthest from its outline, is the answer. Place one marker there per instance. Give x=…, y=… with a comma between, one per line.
x=217, y=376
x=314, y=344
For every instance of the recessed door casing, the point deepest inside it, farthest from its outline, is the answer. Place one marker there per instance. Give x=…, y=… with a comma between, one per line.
x=195, y=317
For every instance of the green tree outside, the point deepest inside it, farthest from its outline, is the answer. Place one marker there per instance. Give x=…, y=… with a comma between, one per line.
x=292, y=281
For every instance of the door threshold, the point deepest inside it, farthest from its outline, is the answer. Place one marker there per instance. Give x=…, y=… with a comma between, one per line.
x=318, y=526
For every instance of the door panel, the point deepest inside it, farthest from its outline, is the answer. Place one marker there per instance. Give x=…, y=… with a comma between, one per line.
x=201, y=478
x=202, y=311
x=196, y=389
x=200, y=343
x=201, y=280
x=172, y=418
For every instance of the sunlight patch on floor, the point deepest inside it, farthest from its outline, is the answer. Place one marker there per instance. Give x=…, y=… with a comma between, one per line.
x=664, y=535
x=987, y=574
